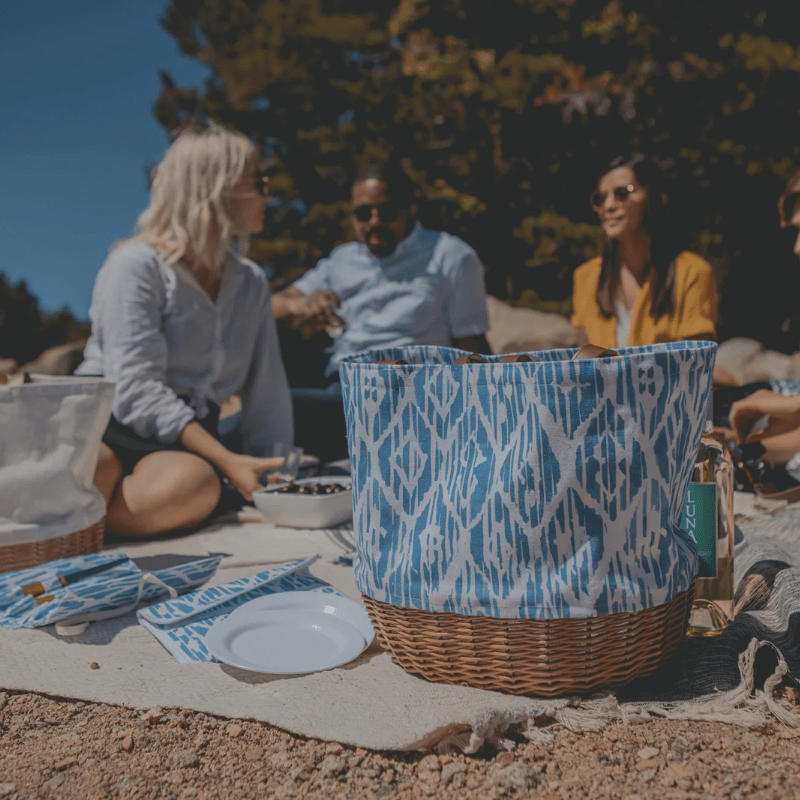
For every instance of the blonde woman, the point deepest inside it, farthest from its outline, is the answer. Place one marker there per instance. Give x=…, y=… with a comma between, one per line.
x=180, y=322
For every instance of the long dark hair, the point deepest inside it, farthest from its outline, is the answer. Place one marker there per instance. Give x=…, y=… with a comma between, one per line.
x=663, y=241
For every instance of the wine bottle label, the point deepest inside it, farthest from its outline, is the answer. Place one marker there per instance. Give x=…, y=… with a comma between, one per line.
x=699, y=520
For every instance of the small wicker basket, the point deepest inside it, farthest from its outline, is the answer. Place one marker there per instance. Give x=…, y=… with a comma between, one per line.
x=14, y=557
x=544, y=658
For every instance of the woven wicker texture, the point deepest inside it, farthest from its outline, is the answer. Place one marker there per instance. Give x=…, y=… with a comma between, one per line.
x=31, y=554
x=543, y=658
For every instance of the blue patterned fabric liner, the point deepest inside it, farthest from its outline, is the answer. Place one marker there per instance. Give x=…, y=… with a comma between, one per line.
x=545, y=490
x=115, y=588
x=181, y=625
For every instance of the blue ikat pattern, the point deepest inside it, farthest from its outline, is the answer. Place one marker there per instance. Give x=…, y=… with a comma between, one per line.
x=182, y=625
x=115, y=588
x=544, y=490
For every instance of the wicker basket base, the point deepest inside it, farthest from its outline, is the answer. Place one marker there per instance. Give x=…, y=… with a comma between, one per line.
x=31, y=554
x=544, y=658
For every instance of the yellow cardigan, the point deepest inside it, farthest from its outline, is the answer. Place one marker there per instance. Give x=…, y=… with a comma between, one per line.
x=695, y=314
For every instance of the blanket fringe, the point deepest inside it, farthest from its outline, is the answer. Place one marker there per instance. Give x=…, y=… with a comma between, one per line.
x=744, y=706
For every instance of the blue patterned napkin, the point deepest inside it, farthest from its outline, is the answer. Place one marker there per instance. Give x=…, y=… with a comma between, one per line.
x=181, y=625
x=115, y=588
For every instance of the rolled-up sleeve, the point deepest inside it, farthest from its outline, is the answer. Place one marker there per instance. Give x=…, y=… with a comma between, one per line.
x=127, y=309
x=316, y=279
x=266, y=400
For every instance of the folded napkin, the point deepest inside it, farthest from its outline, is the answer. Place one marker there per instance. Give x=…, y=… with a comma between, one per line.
x=103, y=595
x=182, y=625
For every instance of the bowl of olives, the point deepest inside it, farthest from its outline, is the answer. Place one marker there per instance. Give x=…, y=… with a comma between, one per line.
x=321, y=502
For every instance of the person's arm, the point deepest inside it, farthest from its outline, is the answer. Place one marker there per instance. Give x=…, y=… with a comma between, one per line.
x=128, y=306
x=316, y=309
x=467, y=314
x=783, y=413
x=242, y=471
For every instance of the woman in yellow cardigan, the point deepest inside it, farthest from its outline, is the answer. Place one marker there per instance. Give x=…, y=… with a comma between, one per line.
x=642, y=289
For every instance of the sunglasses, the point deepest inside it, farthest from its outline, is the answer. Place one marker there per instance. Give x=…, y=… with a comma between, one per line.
x=387, y=212
x=621, y=193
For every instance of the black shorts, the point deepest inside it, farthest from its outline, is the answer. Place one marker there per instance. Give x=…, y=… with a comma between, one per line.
x=130, y=448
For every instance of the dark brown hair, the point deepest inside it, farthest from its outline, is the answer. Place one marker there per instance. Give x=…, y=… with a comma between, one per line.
x=788, y=200
x=663, y=244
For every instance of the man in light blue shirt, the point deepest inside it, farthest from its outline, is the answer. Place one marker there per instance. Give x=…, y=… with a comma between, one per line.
x=399, y=284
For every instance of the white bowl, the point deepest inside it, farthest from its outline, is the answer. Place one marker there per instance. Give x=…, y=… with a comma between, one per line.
x=306, y=510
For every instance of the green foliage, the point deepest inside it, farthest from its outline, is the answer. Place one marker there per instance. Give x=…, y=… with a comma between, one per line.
x=502, y=113
x=25, y=332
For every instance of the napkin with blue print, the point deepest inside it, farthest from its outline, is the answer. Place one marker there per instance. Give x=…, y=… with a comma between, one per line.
x=112, y=583
x=182, y=625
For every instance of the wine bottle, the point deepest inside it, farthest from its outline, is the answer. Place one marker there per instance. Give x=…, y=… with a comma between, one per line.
x=708, y=518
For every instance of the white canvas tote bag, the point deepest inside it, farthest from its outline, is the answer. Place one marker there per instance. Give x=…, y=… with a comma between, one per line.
x=50, y=433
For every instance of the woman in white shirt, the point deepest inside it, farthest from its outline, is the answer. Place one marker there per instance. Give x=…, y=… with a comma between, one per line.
x=180, y=322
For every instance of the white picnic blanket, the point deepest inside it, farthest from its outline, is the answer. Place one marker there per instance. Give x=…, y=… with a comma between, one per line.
x=370, y=702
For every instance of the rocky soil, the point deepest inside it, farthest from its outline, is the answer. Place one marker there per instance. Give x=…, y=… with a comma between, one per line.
x=51, y=748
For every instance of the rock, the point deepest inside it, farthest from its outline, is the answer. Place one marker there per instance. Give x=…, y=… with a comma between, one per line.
x=153, y=715
x=747, y=361
x=517, y=330
x=334, y=749
x=127, y=743
x=647, y=752
x=3, y=700
x=648, y=765
x=54, y=782
x=449, y=771
x=7, y=789
x=332, y=766
x=185, y=759
x=518, y=776
x=61, y=360
x=506, y=758
x=429, y=764
x=254, y=754
x=65, y=762
x=429, y=776
x=234, y=731
x=94, y=665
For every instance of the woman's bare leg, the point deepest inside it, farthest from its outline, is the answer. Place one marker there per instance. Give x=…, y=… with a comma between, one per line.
x=167, y=491
x=108, y=473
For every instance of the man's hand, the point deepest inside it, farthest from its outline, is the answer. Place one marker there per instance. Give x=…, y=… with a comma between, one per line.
x=317, y=310
x=783, y=413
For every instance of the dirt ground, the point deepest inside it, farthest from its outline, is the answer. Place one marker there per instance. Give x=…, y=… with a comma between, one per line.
x=52, y=748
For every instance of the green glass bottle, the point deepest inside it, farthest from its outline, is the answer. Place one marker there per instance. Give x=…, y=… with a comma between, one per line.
x=708, y=518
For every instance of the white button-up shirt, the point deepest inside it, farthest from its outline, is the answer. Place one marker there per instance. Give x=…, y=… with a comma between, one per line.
x=158, y=335
x=429, y=291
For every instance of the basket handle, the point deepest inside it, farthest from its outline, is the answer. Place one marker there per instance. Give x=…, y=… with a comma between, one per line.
x=594, y=351
x=477, y=358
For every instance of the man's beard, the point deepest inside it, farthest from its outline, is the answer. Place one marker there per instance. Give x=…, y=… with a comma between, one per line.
x=386, y=246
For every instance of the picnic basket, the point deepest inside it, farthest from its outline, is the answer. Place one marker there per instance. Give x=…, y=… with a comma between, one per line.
x=49, y=508
x=517, y=522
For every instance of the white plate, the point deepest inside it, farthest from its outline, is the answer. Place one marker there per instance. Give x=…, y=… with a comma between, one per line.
x=287, y=638
x=343, y=608
x=306, y=510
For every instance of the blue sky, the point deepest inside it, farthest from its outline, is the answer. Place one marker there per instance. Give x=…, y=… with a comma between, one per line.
x=78, y=79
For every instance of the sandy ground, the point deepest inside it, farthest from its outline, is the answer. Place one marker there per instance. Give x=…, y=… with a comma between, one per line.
x=51, y=748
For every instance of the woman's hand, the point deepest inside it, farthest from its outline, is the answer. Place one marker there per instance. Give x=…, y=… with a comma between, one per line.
x=783, y=413
x=244, y=472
